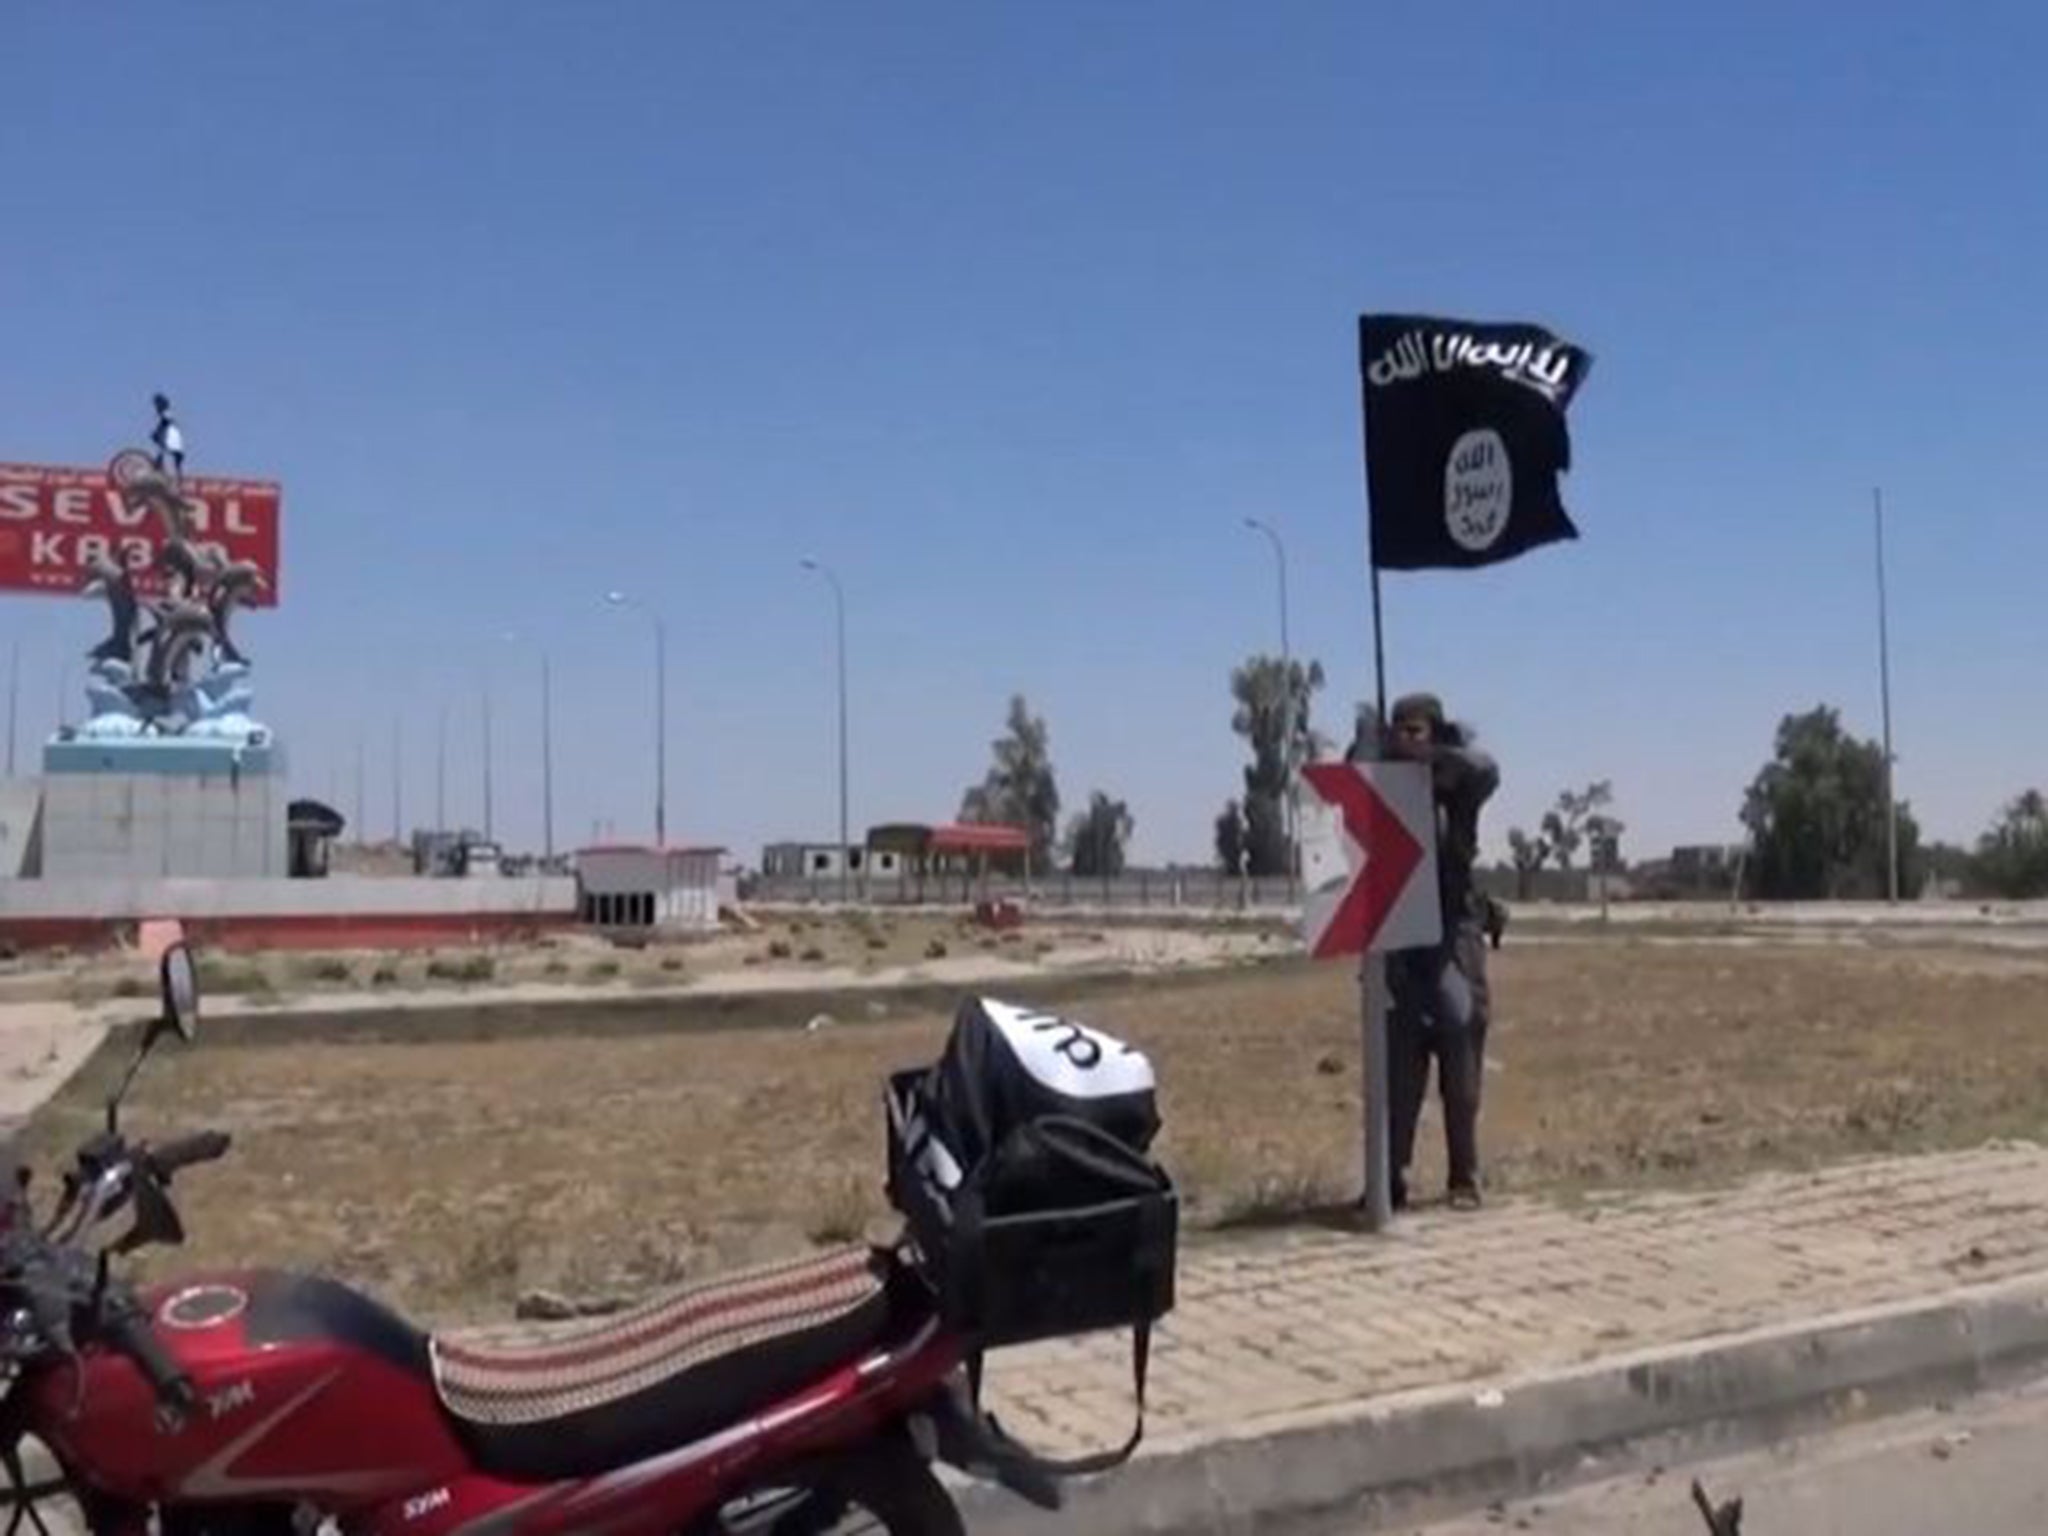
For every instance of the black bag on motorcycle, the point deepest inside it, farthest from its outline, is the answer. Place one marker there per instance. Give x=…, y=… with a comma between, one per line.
x=1020, y=1160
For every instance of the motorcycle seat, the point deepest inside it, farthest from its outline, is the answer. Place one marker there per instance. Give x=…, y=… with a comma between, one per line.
x=539, y=1402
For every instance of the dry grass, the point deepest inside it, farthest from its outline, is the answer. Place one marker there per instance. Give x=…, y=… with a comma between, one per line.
x=451, y=1174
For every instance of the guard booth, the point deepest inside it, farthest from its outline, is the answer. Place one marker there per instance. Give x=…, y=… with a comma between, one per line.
x=635, y=890
x=960, y=857
x=310, y=831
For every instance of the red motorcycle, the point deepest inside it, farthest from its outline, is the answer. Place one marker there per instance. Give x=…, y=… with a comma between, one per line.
x=778, y=1401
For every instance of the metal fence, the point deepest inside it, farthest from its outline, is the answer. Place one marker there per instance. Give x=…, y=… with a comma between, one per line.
x=1195, y=890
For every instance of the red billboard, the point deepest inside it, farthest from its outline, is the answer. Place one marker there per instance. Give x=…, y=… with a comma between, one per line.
x=53, y=522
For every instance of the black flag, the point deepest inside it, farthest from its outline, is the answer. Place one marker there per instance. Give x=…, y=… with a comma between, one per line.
x=1465, y=437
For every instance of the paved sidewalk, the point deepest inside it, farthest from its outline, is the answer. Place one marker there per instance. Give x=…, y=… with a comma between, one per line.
x=41, y=1045
x=1271, y=1327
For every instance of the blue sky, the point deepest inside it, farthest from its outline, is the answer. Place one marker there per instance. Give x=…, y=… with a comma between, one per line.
x=1012, y=314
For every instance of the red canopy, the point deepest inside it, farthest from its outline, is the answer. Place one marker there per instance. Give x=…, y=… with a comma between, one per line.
x=980, y=837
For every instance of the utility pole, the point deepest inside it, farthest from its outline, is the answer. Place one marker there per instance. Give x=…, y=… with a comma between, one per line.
x=441, y=770
x=622, y=600
x=1884, y=683
x=845, y=849
x=13, y=701
x=487, y=762
x=547, y=760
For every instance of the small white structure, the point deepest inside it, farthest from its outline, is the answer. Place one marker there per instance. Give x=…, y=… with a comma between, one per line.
x=629, y=886
x=824, y=861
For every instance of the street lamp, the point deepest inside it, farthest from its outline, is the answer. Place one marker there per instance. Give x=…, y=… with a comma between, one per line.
x=621, y=600
x=1258, y=525
x=489, y=831
x=839, y=607
x=441, y=770
x=547, y=750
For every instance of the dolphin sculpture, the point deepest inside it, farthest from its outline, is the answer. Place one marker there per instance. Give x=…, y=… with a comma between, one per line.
x=113, y=581
x=192, y=567
x=233, y=588
x=183, y=627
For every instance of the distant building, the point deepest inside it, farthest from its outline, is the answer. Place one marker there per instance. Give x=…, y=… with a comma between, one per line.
x=627, y=887
x=824, y=861
x=1694, y=870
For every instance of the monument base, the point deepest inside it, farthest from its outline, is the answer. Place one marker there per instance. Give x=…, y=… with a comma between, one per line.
x=163, y=806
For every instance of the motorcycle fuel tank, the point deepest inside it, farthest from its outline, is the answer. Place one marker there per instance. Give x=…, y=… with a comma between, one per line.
x=305, y=1389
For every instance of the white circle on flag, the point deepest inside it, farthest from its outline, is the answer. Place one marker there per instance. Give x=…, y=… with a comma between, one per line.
x=1479, y=489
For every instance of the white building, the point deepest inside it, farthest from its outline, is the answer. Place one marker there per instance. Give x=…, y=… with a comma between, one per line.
x=627, y=886
x=823, y=861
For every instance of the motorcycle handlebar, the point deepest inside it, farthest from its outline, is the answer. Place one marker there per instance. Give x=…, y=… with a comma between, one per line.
x=128, y=1330
x=49, y=1302
x=200, y=1147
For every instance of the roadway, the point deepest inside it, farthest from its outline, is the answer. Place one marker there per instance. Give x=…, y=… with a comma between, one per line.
x=1978, y=1470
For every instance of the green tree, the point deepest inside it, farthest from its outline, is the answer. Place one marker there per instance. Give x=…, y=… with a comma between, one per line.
x=1579, y=818
x=1273, y=699
x=1097, y=837
x=1020, y=788
x=1231, y=839
x=1816, y=816
x=2012, y=858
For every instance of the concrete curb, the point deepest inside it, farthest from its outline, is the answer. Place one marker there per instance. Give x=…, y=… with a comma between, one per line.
x=1422, y=1454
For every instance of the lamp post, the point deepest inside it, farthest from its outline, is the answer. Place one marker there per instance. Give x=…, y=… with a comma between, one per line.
x=839, y=612
x=441, y=769
x=547, y=750
x=489, y=831
x=1258, y=525
x=621, y=600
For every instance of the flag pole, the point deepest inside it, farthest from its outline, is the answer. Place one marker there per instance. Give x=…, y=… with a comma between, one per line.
x=1884, y=685
x=1379, y=643
x=1376, y=1101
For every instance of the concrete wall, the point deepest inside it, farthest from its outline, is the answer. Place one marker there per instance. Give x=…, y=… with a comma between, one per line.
x=21, y=809
x=337, y=896
x=111, y=826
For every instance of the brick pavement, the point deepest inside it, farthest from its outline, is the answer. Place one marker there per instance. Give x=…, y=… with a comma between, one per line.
x=1274, y=1325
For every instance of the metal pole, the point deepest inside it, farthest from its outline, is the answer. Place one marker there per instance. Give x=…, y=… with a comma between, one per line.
x=660, y=733
x=1379, y=652
x=441, y=771
x=1372, y=991
x=362, y=829
x=397, y=807
x=621, y=600
x=1884, y=682
x=845, y=847
x=1378, y=1205
x=13, y=701
x=487, y=763
x=547, y=760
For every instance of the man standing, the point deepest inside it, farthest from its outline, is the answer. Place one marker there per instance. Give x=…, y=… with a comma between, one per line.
x=1441, y=1006
x=169, y=440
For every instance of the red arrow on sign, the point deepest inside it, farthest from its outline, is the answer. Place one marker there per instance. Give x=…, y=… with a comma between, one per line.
x=1388, y=856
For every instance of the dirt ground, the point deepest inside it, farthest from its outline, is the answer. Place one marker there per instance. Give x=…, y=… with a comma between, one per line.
x=452, y=1175
x=792, y=946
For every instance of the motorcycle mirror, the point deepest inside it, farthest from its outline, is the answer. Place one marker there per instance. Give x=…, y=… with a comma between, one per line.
x=181, y=992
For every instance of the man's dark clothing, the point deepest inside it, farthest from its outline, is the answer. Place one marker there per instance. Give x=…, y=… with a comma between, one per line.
x=1441, y=1005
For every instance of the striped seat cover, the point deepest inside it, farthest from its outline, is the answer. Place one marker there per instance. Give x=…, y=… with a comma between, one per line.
x=532, y=1373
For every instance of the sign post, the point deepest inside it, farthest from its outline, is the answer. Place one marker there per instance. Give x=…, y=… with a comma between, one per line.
x=1369, y=863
